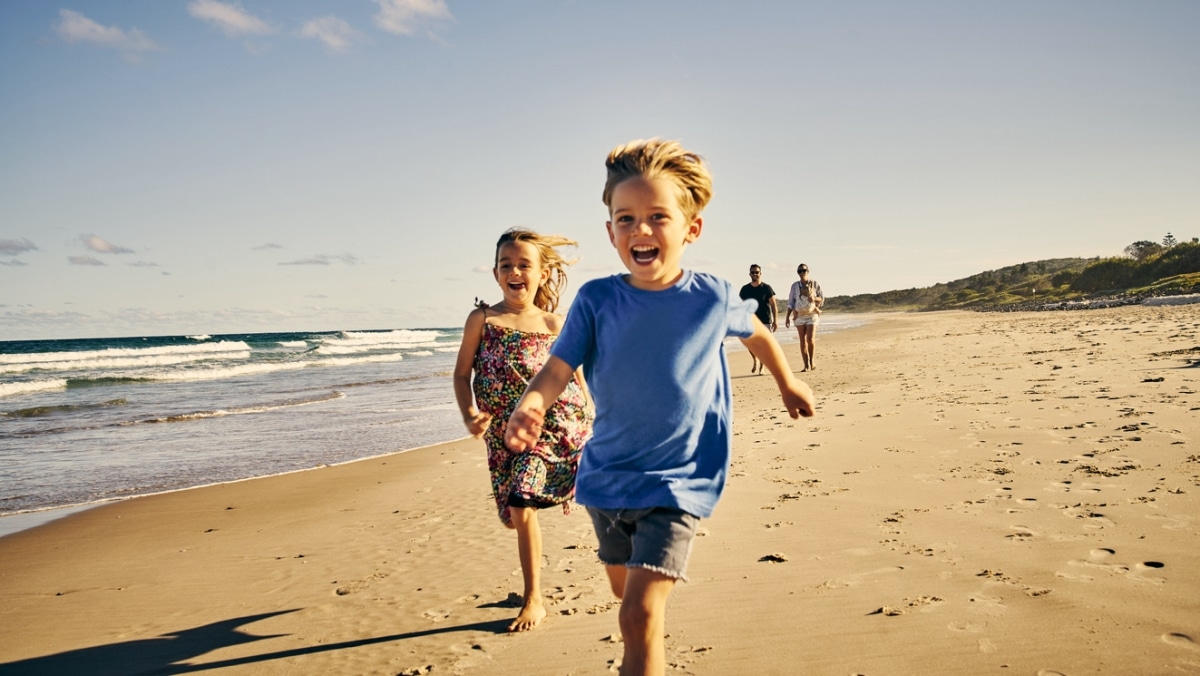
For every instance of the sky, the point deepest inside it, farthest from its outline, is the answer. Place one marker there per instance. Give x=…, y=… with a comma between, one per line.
x=192, y=167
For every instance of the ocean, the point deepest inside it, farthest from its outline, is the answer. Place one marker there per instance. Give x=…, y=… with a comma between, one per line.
x=84, y=421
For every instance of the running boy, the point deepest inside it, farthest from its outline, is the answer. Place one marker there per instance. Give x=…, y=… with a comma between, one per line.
x=650, y=344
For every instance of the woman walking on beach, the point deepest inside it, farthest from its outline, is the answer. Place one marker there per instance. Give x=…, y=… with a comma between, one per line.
x=804, y=303
x=505, y=345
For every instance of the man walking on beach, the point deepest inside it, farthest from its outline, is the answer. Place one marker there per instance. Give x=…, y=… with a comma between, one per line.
x=765, y=295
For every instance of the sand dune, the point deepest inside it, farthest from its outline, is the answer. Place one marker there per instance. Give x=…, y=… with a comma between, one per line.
x=979, y=493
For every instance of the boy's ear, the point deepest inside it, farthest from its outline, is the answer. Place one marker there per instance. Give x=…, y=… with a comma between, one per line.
x=693, y=231
x=612, y=239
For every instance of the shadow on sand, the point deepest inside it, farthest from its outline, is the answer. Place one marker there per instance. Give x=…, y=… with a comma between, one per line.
x=166, y=654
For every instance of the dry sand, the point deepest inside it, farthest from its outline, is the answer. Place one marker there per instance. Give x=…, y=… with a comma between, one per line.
x=980, y=493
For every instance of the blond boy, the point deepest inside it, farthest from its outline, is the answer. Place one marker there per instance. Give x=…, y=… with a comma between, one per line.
x=650, y=345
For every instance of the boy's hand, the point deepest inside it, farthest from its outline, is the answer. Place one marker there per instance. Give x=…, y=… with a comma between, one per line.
x=524, y=428
x=477, y=423
x=798, y=399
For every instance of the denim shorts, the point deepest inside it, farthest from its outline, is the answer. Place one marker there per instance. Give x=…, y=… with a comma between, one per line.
x=658, y=539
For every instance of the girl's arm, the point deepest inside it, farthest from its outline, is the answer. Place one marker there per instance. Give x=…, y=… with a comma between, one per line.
x=525, y=424
x=797, y=395
x=476, y=421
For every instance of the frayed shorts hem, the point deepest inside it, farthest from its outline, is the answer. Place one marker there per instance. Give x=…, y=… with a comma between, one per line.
x=658, y=539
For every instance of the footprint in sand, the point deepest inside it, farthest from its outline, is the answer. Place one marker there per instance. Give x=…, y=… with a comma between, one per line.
x=1021, y=534
x=1171, y=522
x=1100, y=559
x=1071, y=487
x=1180, y=641
x=987, y=605
x=1092, y=520
x=436, y=615
x=853, y=580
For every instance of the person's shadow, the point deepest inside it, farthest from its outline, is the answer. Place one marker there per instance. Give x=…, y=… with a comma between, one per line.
x=168, y=653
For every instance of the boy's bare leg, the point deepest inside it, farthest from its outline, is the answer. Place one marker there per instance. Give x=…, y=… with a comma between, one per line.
x=529, y=546
x=616, y=579
x=643, y=621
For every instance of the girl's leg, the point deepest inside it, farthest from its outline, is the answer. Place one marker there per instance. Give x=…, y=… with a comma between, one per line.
x=643, y=620
x=529, y=546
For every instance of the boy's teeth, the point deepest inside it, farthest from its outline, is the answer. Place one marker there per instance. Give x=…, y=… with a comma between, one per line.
x=644, y=254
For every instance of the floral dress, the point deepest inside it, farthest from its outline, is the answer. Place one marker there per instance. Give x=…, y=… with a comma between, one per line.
x=545, y=474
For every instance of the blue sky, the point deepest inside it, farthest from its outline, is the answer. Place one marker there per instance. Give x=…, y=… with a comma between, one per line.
x=201, y=166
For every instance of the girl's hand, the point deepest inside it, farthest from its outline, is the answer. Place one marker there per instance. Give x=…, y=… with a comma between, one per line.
x=477, y=423
x=524, y=428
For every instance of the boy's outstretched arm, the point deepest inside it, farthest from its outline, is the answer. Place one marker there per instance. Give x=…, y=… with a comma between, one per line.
x=525, y=423
x=797, y=395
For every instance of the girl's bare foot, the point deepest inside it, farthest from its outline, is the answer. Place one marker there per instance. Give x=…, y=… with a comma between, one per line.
x=531, y=615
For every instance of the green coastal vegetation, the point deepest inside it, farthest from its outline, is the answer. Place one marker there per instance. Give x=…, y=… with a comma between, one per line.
x=1147, y=269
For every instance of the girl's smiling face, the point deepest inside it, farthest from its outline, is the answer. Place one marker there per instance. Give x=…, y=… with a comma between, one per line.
x=519, y=272
x=650, y=231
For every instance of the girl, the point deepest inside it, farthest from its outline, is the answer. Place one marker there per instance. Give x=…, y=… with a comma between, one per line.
x=505, y=345
x=804, y=303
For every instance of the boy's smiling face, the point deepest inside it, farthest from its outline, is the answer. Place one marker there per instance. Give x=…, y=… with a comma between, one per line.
x=649, y=231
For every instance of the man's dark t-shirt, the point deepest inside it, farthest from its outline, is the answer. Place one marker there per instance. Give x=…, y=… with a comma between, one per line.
x=765, y=295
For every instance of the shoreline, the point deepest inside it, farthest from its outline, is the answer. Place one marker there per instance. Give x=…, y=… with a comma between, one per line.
x=32, y=518
x=977, y=493
x=14, y=522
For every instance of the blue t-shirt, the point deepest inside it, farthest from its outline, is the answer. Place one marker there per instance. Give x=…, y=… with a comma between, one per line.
x=655, y=365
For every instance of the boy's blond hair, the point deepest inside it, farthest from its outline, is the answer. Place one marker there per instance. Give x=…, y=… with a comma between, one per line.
x=655, y=159
x=547, y=294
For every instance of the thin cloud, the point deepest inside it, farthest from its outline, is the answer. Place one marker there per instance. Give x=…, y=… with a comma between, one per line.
x=229, y=17
x=268, y=245
x=324, y=259
x=333, y=31
x=85, y=260
x=15, y=262
x=143, y=264
x=101, y=245
x=16, y=247
x=75, y=27
x=403, y=17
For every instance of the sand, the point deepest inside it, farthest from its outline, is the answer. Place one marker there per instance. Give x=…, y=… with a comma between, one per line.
x=979, y=493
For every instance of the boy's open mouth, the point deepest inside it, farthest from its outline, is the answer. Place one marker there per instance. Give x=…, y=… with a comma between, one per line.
x=644, y=254
x=516, y=286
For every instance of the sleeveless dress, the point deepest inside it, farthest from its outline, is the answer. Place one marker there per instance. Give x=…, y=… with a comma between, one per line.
x=545, y=474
